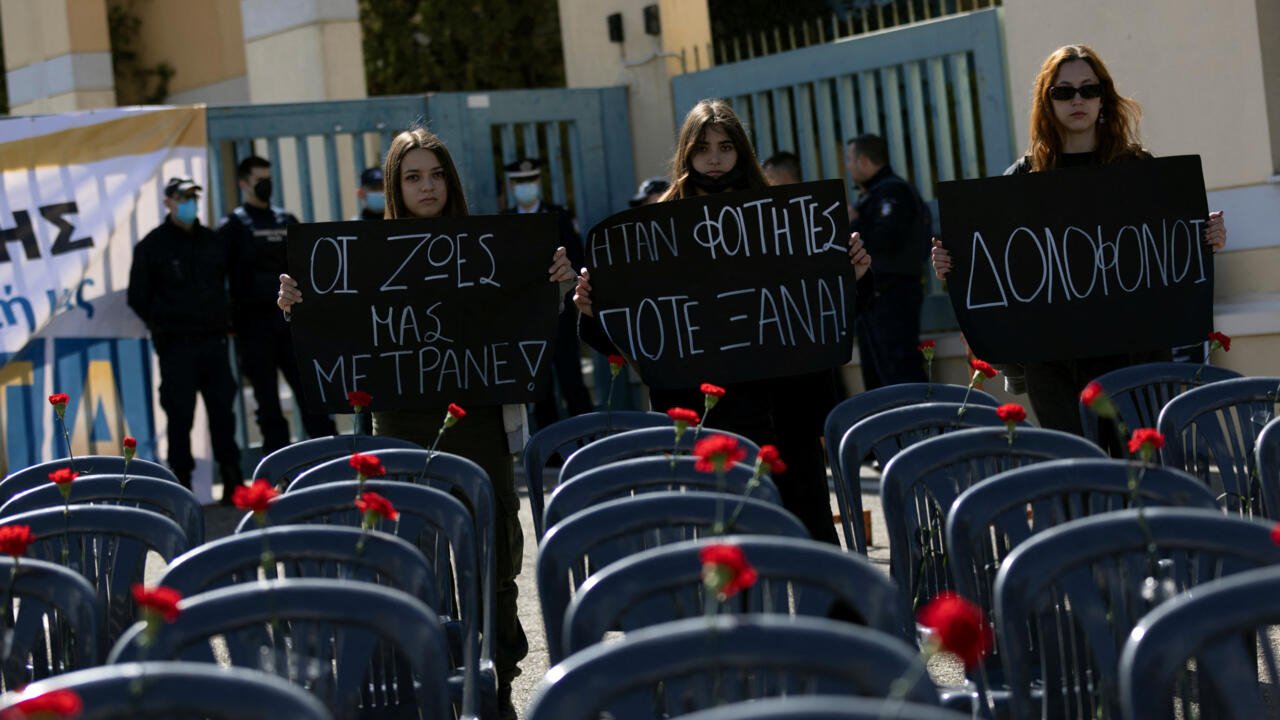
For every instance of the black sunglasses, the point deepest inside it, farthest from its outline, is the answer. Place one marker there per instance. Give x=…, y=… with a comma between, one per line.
x=1063, y=93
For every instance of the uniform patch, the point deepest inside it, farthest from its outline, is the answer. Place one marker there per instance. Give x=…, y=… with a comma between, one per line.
x=886, y=207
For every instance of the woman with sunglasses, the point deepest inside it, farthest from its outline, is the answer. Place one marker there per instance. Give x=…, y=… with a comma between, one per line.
x=1077, y=118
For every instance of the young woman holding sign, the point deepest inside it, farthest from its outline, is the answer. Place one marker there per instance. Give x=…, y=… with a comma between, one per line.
x=1077, y=118
x=714, y=155
x=422, y=182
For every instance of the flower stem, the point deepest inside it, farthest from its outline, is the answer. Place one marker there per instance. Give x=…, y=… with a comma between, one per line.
x=67, y=439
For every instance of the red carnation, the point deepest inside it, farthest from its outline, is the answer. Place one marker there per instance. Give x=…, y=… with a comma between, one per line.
x=255, y=497
x=57, y=399
x=456, y=411
x=1091, y=393
x=1145, y=441
x=161, y=600
x=359, y=400
x=769, y=457
x=683, y=415
x=1275, y=533
x=716, y=453
x=725, y=570
x=368, y=466
x=983, y=367
x=61, y=704
x=14, y=539
x=713, y=390
x=131, y=443
x=927, y=345
x=1222, y=339
x=617, y=362
x=62, y=476
x=373, y=503
x=1011, y=413
x=959, y=627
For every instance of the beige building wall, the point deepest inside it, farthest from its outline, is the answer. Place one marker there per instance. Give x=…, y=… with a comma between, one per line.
x=204, y=44
x=644, y=63
x=303, y=50
x=57, y=55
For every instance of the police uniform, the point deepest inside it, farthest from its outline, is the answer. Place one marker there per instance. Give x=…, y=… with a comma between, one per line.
x=177, y=285
x=265, y=345
x=568, y=355
x=894, y=225
x=371, y=182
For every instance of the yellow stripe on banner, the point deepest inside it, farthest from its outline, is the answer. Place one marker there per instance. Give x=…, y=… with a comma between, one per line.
x=133, y=135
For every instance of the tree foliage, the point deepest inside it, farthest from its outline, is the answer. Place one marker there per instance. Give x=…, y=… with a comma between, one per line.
x=415, y=46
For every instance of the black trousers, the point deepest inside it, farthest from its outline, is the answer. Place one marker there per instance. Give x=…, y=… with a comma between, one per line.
x=265, y=347
x=1054, y=390
x=191, y=364
x=567, y=363
x=889, y=333
x=787, y=412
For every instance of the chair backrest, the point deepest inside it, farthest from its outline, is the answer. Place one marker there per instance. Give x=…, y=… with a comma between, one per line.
x=645, y=442
x=566, y=436
x=794, y=577
x=53, y=624
x=1268, y=463
x=590, y=540
x=883, y=435
x=327, y=636
x=1211, y=431
x=1139, y=392
x=990, y=519
x=1227, y=628
x=824, y=707
x=38, y=475
x=649, y=474
x=283, y=465
x=437, y=523
x=144, y=493
x=687, y=665
x=179, y=690
x=920, y=483
x=106, y=545
x=1067, y=598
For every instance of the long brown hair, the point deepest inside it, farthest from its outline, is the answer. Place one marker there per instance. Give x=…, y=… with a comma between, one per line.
x=1118, y=126
x=412, y=139
x=705, y=114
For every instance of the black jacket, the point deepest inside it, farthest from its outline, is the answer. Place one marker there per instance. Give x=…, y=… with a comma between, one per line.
x=178, y=280
x=569, y=240
x=894, y=223
x=258, y=251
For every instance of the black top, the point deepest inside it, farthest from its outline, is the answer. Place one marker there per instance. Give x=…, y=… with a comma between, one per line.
x=894, y=224
x=178, y=280
x=1069, y=160
x=258, y=248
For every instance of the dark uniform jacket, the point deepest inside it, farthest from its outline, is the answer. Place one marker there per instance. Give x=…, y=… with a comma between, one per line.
x=178, y=281
x=894, y=224
x=256, y=237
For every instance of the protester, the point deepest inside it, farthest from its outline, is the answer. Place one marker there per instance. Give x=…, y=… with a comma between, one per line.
x=783, y=168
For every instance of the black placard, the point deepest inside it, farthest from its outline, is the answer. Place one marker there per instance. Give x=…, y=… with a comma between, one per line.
x=1080, y=262
x=425, y=311
x=727, y=288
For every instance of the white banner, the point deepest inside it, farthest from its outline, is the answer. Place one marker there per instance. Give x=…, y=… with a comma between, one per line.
x=77, y=192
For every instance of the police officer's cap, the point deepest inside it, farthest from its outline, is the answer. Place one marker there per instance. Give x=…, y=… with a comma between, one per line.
x=181, y=186
x=523, y=170
x=649, y=187
x=372, y=177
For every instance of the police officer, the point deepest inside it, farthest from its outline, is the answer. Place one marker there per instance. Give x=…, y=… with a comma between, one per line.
x=371, y=195
x=894, y=224
x=256, y=232
x=177, y=285
x=524, y=177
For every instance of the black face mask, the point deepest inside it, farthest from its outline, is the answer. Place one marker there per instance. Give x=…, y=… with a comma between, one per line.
x=262, y=190
x=729, y=181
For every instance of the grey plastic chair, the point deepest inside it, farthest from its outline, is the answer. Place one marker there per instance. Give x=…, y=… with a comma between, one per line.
x=795, y=577
x=169, y=690
x=1140, y=392
x=1067, y=598
x=883, y=435
x=437, y=523
x=920, y=483
x=38, y=475
x=680, y=667
x=590, y=540
x=637, y=476
x=144, y=493
x=645, y=442
x=566, y=436
x=1211, y=432
x=1268, y=463
x=107, y=546
x=54, y=620
x=1227, y=628
x=283, y=465
x=331, y=638
x=824, y=707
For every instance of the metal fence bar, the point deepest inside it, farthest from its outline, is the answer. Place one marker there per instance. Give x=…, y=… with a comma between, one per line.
x=335, y=191
x=945, y=150
x=531, y=145
x=848, y=110
x=555, y=164
x=867, y=87
x=762, y=124
x=828, y=140
x=921, y=170
x=303, y=152
x=785, y=136
x=965, y=125
x=893, y=131
x=277, y=177
x=806, y=143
